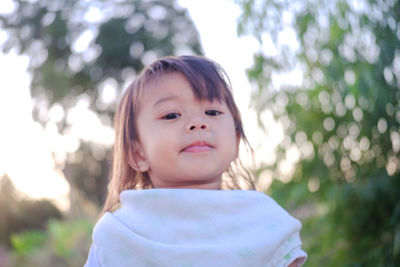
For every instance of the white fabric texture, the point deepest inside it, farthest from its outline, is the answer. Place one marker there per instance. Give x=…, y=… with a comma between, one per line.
x=195, y=227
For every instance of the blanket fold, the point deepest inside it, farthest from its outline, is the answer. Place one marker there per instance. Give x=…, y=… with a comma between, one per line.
x=195, y=227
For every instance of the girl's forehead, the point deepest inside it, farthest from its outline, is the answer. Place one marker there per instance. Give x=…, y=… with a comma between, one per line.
x=165, y=86
x=169, y=77
x=177, y=84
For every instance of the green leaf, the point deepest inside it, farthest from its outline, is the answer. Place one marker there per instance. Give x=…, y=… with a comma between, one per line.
x=27, y=242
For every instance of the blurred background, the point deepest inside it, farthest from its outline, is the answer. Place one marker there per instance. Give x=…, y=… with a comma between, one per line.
x=317, y=83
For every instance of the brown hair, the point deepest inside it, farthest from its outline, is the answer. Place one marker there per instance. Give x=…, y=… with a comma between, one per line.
x=208, y=81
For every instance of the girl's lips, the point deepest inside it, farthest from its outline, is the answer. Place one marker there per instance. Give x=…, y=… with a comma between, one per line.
x=197, y=147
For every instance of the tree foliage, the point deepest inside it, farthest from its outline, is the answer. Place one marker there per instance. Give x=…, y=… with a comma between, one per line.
x=338, y=166
x=62, y=243
x=18, y=214
x=84, y=52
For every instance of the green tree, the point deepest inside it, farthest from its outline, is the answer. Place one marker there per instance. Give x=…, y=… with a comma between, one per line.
x=63, y=243
x=78, y=50
x=342, y=134
x=18, y=214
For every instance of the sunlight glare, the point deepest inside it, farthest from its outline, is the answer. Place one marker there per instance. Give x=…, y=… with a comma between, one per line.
x=25, y=154
x=7, y=7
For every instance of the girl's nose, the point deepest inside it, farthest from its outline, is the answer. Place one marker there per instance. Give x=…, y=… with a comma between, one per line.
x=197, y=123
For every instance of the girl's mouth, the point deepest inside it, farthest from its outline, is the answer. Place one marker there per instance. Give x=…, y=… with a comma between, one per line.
x=198, y=146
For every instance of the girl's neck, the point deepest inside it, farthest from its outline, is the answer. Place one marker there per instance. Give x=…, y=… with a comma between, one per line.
x=215, y=185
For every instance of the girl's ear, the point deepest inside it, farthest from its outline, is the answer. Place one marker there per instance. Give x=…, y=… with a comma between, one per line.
x=136, y=158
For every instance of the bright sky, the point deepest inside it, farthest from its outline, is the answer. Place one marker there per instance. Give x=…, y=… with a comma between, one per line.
x=26, y=148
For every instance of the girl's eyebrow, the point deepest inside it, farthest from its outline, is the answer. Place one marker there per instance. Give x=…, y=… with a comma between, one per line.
x=164, y=99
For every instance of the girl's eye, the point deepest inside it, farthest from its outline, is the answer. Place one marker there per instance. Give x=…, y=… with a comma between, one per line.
x=171, y=116
x=213, y=112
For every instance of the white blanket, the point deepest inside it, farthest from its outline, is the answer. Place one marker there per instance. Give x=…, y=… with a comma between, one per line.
x=195, y=227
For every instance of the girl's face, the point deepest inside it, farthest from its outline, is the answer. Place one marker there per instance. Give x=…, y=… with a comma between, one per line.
x=184, y=142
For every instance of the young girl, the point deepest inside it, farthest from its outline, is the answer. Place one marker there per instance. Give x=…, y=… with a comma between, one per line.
x=177, y=132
